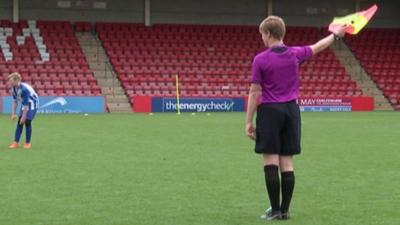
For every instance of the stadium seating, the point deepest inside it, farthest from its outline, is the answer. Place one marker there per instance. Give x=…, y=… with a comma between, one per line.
x=48, y=55
x=212, y=61
x=83, y=27
x=379, y=53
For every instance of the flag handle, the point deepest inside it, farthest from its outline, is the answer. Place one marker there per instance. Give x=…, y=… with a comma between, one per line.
x=177, y=94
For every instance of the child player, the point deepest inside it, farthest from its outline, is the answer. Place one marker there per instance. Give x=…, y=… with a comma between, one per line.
x=25, y=95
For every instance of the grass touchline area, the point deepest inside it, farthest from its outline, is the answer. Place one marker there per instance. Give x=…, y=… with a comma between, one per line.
x=118, y=169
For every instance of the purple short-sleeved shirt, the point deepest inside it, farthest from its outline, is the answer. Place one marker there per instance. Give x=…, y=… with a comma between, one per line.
x=277, y=71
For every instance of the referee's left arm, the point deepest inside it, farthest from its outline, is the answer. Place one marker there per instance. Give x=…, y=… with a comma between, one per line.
x=254, y=95
x=252, y=103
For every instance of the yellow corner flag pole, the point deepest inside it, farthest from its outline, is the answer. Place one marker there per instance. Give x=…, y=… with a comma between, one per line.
x=177, y=94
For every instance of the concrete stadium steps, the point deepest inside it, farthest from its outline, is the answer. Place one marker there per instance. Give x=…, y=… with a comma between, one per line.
x=360, y=76
x=117, y=101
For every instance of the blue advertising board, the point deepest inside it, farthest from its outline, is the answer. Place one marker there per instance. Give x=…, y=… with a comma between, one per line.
x=198, y=104
x=61, y=104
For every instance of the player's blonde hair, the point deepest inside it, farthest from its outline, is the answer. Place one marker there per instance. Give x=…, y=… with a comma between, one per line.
x=275, y=26
x=14, y=76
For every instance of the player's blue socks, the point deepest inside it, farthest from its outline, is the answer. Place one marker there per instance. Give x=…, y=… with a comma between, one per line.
x=28, y=131
x=28, y=134
x=18, y=132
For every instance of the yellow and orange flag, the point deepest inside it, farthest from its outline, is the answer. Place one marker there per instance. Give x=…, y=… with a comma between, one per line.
x=355, y=21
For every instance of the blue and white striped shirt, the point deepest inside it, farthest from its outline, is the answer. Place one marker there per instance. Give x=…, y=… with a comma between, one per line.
x=25, y=95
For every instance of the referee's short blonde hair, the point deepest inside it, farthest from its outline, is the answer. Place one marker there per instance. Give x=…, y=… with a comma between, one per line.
x=275, y=26
x=14, y=76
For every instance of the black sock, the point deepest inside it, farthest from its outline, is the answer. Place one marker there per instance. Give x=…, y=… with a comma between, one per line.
x=287, y=189
x=273, y=186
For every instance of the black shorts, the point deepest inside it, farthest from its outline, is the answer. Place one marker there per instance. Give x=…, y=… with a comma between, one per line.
x=278, y=128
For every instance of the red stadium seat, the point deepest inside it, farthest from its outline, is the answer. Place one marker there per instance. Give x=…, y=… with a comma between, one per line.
x=219, y=57
x=66, y=57
x=379, y=52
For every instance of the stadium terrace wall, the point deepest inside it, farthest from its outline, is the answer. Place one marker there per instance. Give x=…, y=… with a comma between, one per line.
x=240, y=12
x=320, y=13
x=5, y=9
x=146, y=104
x=116, y=10
x=237, y=12
x=62, y=104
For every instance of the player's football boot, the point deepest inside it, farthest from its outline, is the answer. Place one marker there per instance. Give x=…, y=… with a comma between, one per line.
x=285, y=215
x=14, y=145
x=27, y=145
x=271, y=215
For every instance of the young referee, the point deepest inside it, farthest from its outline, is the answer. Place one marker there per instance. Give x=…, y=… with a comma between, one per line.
x=273, y=94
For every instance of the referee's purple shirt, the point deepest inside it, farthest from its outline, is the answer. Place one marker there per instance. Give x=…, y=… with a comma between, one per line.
x=278, y=73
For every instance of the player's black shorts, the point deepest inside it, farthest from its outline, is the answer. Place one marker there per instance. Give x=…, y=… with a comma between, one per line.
x=278, y=128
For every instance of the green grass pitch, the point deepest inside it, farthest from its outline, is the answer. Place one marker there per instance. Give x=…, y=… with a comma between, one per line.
x=195, y=170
